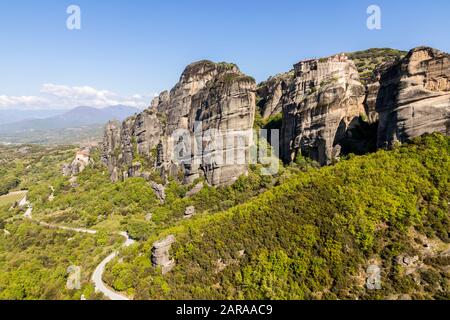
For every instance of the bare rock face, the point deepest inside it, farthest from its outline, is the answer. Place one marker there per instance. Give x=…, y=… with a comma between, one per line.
x=324, y=101
x=372, y=90
x=189, y=212
x=225, y=108
x=271, y=92
x=160, y=254
x=66, y=170
x=414, y=97
x=178, y=134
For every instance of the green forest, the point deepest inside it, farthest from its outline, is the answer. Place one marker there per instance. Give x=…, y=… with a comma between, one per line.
x=314, y=235
x=305, y=233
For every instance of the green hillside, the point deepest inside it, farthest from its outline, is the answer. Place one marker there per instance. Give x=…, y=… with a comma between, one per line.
x=314, y=236
x=306, y=233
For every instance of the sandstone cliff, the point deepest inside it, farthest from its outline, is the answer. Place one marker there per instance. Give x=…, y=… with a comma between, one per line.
x=323, y=102
x=270, y=93
x=414, y=97
x=202, y=127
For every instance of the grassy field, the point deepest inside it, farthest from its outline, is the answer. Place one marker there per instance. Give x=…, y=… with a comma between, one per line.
x=12, y=197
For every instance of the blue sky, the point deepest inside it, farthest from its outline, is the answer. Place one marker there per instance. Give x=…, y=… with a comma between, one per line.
x=131, y=49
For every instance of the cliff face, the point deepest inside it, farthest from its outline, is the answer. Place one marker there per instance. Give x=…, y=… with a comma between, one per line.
x=203, y=126
x=414, y=97
x=189, y=131
x=324, y=101
x=271, y=93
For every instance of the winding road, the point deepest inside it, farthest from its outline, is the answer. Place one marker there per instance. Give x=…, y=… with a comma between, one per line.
x=97, y=276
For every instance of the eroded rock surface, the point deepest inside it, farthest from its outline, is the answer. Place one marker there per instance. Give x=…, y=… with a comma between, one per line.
x=160, y=254
x=178, y=135
x=414, y=97
x=81, y=161
x=160, y=191
x=189, y=212
x=325, y=99
x=271, y=93
x=193, y=130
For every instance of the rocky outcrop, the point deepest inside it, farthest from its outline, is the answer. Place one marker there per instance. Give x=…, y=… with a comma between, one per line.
x=196, y=189
x=270, y=93
x=189, y=212
x=324, y=101
x=372, y=89
x=160, y=254
x=203, y=126
x=160, y=191
x=74, y=278
x=179, y=134
x=81, y=161
x=414, y=97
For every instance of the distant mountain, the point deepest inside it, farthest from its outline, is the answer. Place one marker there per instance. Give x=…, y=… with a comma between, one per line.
x=74, y=118
x=61, y=127
x=16, y=115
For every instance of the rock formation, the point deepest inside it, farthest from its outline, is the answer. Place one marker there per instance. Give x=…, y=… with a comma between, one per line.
x=160, y=254
x=372, y=89
x=74, y=278
x=196, y=189
x=189, y=212
x=160, y=191
x=270, y=93
x=202, y=127
x=81, y=161
x=324, y=100
x=414, y=97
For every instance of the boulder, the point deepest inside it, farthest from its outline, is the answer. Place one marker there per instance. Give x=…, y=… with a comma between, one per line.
x=196, y=189
x=414, y=97
x=74, y=278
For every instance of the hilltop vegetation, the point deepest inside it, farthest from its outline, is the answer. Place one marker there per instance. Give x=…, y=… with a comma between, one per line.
x=367, y=60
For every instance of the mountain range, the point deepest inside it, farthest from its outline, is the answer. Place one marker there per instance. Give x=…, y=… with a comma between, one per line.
x=20, y=126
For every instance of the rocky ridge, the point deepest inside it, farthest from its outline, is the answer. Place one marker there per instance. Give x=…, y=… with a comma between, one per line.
x=326, y=107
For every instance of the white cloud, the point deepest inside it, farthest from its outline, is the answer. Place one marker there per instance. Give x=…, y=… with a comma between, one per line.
x=66, y=97
x=23, y=101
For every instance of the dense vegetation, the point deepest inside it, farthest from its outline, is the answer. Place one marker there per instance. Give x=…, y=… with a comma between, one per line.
x=305, y=233
x=367, y=60
x=34, y=261
x=314, y=236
